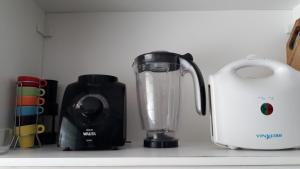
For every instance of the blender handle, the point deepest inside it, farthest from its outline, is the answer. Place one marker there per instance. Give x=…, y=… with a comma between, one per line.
x=186, y=61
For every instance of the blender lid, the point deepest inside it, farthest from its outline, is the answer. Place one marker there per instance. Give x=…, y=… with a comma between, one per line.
x=157, y=56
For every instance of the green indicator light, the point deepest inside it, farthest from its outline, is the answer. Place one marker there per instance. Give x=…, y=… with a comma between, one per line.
x=266, y=109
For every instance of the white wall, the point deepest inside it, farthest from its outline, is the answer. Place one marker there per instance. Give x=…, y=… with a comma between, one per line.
x=21, y=49
x=107, y=43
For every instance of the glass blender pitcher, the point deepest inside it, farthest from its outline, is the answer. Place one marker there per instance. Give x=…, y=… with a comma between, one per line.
x=158, y=92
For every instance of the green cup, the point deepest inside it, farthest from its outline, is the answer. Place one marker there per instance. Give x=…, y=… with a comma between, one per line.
x=30, y=91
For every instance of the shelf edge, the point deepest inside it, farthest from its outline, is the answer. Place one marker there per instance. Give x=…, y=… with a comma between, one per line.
x=150, y=161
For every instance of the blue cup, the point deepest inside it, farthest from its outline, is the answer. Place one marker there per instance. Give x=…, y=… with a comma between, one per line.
x=29, y=110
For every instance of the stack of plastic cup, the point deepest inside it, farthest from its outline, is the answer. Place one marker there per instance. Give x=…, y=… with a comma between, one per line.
x=28, y=108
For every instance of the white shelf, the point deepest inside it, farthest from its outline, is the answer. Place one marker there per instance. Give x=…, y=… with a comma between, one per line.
x=200, y=154
x=165, y=5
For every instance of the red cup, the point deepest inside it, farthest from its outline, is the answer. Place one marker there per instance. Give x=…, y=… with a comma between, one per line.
x=31, y=81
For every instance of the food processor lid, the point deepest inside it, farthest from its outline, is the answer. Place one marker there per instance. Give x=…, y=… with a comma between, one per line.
x=94, y=79
x=157, y=56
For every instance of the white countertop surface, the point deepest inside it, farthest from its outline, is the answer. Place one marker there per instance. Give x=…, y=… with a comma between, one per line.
x=188, y=154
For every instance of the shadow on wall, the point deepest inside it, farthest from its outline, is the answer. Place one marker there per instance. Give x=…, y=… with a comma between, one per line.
x=11, y=103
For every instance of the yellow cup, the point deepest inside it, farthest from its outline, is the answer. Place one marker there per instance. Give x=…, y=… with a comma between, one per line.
x=27, y=134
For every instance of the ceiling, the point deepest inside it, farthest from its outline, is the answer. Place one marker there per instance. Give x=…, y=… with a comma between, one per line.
x=59, y=6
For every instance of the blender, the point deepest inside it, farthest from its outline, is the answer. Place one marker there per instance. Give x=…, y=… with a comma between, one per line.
x=158, y=91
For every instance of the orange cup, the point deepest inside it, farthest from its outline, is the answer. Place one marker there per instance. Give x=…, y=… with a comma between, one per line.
x=30, y=101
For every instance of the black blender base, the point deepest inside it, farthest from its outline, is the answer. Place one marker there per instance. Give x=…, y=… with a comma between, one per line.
x=154, y=143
